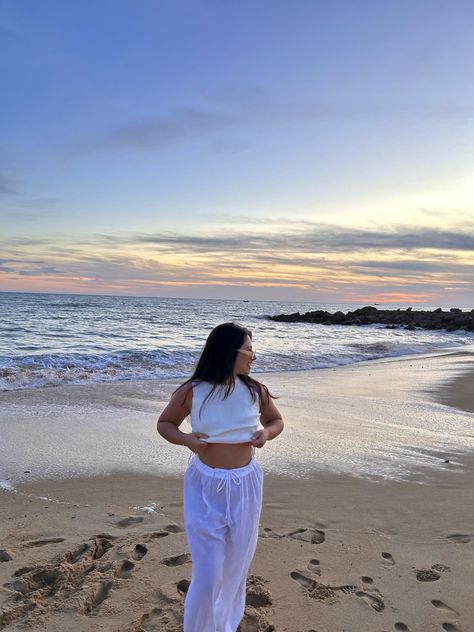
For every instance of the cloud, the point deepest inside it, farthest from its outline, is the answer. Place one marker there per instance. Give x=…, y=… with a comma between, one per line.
x=41, y=271
x=316, y=238
x=8, y=185
x=189, y=123
x=242, y=220
x=451, y=215
x=182, y=124
x=302, y=238
x=30, y=241
x=417, y=266
x=308, y=256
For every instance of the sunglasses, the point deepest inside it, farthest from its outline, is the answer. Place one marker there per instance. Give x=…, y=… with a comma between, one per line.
x=248, y=352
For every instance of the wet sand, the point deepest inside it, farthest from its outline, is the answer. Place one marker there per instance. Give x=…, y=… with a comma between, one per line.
x=459, y=392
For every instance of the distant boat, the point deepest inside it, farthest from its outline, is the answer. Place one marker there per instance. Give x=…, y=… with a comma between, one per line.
x=245, y=301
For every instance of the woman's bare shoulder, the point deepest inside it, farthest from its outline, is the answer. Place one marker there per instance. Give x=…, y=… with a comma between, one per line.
x=185, y=387
x=184, y=392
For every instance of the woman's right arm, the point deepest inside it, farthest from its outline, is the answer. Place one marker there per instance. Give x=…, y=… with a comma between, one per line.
x=173, y=415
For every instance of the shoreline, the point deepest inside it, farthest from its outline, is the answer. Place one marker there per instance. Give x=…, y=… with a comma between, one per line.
x=113, y=426
x=84, y=375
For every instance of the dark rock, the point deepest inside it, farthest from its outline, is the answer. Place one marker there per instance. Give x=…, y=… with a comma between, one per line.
x=338, y=317
x=451, y=320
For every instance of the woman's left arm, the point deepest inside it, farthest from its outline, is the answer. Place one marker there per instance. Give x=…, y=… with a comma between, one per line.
x=270, y=418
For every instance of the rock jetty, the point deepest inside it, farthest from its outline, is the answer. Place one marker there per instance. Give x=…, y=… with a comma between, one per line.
x=451, y=320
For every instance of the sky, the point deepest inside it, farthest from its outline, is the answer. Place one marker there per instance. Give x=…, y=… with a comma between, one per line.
x=302, y=151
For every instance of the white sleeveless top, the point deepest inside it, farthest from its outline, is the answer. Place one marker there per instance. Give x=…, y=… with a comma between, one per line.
x=231, y=420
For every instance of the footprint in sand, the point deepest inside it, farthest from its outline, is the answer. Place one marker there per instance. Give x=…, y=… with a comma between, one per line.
x=150, y=621
x=173, y=528
x=449, y=627
x=317, y=590
x=130, y=521
x=44, y=541
x=183, y=586
x=72, y=557
x=157, y=534
x=365, y=579
x=102, y=544
x=266, y=532
x=315, y=536
x=257, y=595
x=388, y=559
x=5, y=556
x=460, y=538
x=171, y=593
x=255, y=621
x=401, y=627
x=139, y=551
x=445, y=608
x=177, y=560
x=427, y=575
x=9, y=615
x=314, y=567
x=165, y=531
x=23, y=570
x=46, y=579
x=124, y=570
x=168, y=615
x=156, y=621
x=441, y=568
x=61, y=583
x=99, y=593
x=375, y=602
x=431, y=574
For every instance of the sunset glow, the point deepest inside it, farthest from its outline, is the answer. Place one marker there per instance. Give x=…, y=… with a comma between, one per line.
x=286, y=153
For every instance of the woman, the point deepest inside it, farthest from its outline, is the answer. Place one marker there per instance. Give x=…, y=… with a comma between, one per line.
x=223, y=481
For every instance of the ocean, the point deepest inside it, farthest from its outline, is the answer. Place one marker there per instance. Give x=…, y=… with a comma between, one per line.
x=49, y=340
x=376, y=420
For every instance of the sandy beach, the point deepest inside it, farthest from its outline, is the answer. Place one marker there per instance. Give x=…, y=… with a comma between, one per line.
x=338, y=551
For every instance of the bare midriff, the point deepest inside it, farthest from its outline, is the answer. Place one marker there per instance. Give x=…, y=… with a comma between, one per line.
x=226, y=455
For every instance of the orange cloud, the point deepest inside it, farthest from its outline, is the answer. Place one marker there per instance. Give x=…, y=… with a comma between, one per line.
x=390, y=297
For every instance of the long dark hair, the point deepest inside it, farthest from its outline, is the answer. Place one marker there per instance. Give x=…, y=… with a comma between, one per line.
x=216, y=363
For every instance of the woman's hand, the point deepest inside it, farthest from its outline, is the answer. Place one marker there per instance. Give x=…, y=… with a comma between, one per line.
x=194, y=443
x=259, y=438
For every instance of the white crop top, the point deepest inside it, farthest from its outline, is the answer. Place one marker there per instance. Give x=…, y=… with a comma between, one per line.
x=231, y=420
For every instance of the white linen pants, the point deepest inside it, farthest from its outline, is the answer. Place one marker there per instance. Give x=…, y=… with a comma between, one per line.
x=221, y=517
